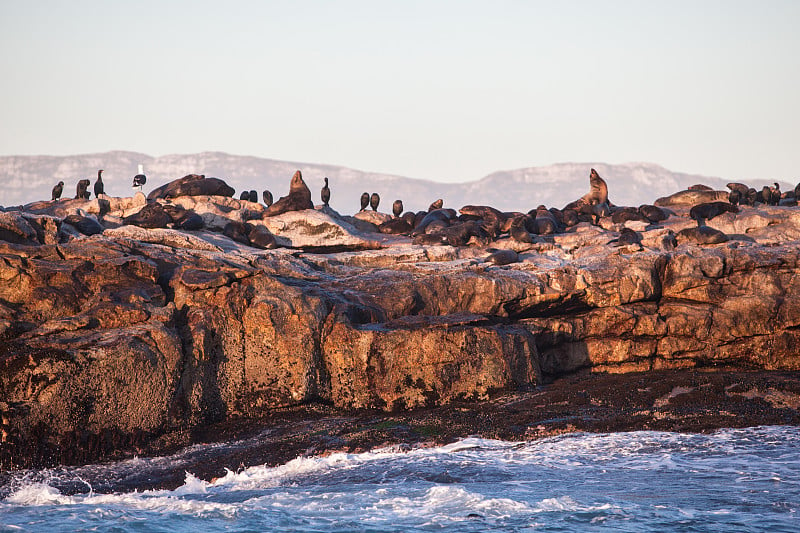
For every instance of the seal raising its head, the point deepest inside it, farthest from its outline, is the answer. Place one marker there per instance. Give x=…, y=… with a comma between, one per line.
x=598, y=190
x=299, y=198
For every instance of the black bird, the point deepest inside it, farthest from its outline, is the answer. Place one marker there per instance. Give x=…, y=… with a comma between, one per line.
x=267, y=197
x=139, y=180
x=775, y=197
x=57, y=190
x=397, y=208
x=98, y=185
x=374, y=200
x=253, y=197
x=364, y=200
x=325, y=194
x=81, y=191
x=244, y=196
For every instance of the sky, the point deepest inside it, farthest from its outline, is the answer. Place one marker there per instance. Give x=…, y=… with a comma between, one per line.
x=441, y=90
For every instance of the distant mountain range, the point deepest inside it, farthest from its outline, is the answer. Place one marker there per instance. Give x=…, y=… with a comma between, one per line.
x=29, y=178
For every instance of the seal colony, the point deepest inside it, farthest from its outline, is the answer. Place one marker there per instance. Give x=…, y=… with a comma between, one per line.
x=479, y=226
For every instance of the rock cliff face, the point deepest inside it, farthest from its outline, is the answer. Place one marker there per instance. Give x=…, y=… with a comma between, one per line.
x=109, y=341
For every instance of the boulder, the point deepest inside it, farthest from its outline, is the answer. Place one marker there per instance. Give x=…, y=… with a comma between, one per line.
x=312, y=229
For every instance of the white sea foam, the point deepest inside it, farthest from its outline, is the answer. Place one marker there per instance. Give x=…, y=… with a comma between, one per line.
x=732, y=479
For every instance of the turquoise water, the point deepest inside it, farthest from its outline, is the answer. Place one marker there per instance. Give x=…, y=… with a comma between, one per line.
x=731, y=480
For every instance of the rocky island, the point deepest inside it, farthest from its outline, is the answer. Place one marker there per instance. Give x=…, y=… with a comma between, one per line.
x=143, y=324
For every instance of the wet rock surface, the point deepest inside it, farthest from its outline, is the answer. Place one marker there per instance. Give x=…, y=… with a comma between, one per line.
x=136, y=340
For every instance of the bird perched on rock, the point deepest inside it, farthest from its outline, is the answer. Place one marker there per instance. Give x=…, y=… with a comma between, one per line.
x=98, y=185
x=374, y=200
x=267, y=197
x=364, y=200
x=82, y=189
x=139, y=179
x=58, y=190
x=253, y=197
x=325, y=193
x=397, y=208
x=244, y=195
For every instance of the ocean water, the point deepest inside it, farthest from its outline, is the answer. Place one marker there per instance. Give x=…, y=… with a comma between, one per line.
x=730, y=480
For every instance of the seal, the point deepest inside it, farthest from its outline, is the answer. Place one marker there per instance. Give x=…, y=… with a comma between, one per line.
x=493, y=219
x=425, y=239
x=151, y=216
x=237, y=231
x=518, y=230
x=183, y=218
x=502, y=257
x=260, y=237
x=740, y=187
x=298, y=199
x=702, y=212
x=627, y=236
x=599, y=211
x=374, y=201
x=438, y=214
x=98, y=185
x=462, y=233
x=545, y=222
x=58, y=189
x=598, y=190
x=325, y=193
x=653, y=213
x=701, y=235
x=397, y=208
x=625, y=214
x=364, y=200
x=85, y=224
x=396, y=226
x=570, y=217
x=691, y=198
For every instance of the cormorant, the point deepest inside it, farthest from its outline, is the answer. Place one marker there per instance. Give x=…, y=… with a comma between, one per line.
x=98, y=185
x=325, y=194
x=57, y=190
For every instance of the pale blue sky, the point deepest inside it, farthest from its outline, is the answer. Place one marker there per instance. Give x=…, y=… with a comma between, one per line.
x=448, y=90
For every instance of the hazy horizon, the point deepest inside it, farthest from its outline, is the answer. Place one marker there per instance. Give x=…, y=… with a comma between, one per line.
x=446, y=91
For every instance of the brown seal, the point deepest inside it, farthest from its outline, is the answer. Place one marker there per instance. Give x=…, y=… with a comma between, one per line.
x=598, y=190
x=503, y=257
x=707, y=211
x=299, y=198
x=701, y=235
